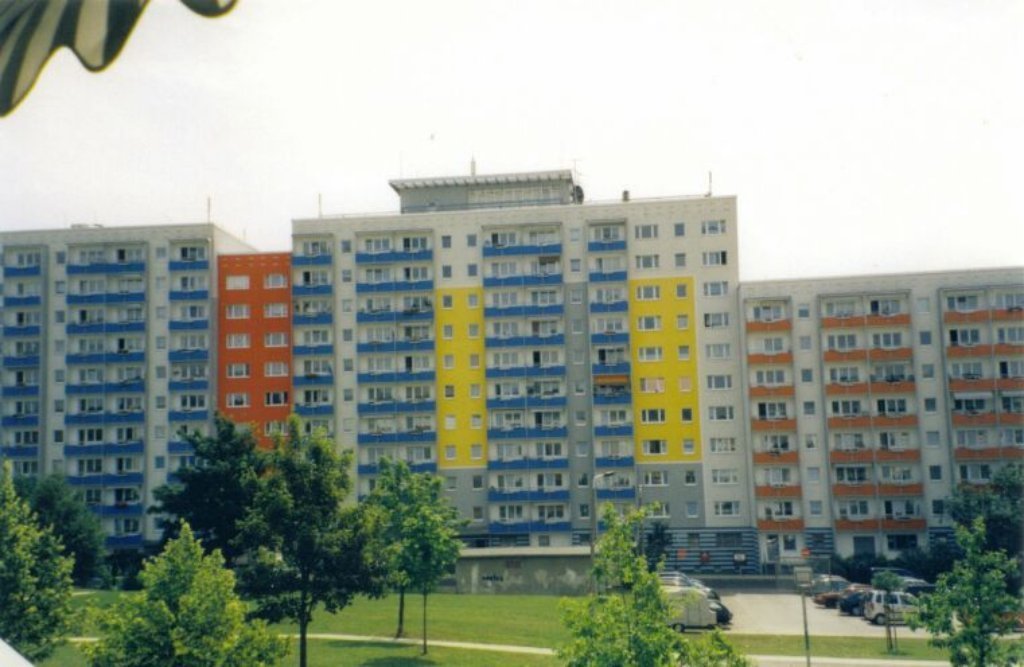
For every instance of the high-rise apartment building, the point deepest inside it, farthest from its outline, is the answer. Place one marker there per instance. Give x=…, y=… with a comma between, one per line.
x=107, y=358
x=538, y=352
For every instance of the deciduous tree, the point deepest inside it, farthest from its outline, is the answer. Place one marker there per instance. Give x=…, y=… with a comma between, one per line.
x=187, y=615
x=1001, y=505
x=305, y=548
x=972, y=608
x=35, y=578
x=888, y=582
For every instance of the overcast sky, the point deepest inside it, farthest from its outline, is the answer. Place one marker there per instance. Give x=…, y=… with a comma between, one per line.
x=860, y=137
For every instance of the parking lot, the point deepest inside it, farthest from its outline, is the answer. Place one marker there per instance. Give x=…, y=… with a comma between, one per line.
x=779, y=614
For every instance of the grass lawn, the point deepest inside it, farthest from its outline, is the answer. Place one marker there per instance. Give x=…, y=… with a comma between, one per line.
x=835, y=647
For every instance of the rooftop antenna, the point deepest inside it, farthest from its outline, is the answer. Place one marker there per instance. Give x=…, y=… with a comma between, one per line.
x=319, y=204
x=209, y=209
x=575, y=170
x=472, y=166
x=709, y=185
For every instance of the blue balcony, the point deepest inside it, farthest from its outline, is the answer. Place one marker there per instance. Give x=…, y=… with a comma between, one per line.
x=395, y=286
x=105, y=449
x=188, y=355
x=312, y=290
x=607, y=277
x=524, y=249
x=138, y=417
x=107, y=328
x=180, y=447
x=396, y=315
x=403, y=376
x=614, y=461
x=120, y=509
x=394, y=256
x=527, y=496
x=610, y=307
x=24, y=361
x=19, y=451
x=312, y=350
x=188, y=385
x=125, y=357
x=12, y=301
x=527, y=433
x=188, y=415
x=125, y=297
x=124, y=541
x=314, y=410
x=516, y=402
x=23, y=390
x=396, y=406
x=106, y=267
x=529, y=464
x=620, y=338
x=373, y=468
x=190, y=295
x=86, y=358
x=606, y=246
x=525, y=280
x=521, y=341
x=129, y=386
x=312, y=260
x=20, y=420
x=426, y=345
x=526, y=371
x=500, y=527
x=189, y=265
x=15, y=332
x=313, y=380
x=189, y=325
x=621, y=368
x=627, y=493
x=22, y=271
x=316, y=318
x=83, y=299
x=106, y=479
x=617, y=398
x=389, y=438
x=525, y=311
x=91, y=328
x=618, y=430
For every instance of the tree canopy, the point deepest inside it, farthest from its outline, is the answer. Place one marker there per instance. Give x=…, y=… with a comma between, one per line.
x=35, y=578
x=1001, y=505
x=187, y=615
x=305, y=547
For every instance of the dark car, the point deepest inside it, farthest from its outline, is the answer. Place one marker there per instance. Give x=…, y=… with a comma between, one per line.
x=853, y=602
x=722, y=614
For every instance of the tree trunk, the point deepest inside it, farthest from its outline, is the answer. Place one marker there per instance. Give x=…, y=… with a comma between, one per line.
x=303, y=625
x=424, y=621
x=401, y=613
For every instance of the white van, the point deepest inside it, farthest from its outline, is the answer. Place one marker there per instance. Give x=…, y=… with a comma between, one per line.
x=691, y=608
x=900, y=604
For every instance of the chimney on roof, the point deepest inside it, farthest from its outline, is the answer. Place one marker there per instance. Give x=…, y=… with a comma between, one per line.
x=472, y=166
x=625, y=195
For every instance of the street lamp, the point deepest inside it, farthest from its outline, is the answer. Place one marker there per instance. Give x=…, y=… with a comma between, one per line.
x=593, y=523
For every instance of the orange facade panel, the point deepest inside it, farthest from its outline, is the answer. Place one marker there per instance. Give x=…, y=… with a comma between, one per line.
x=1008, y=315
x=982, y=419
x=257, y=309
x=900, y=489
x=755, y=326
x=958, y=384
x=872, y=455
x=843, y=389
x=771, y=392
x=857, y=421
x=892, y=421
x=857, y=526
x=961, y=351
x=955, y=317
x=761, y=358
x=891, y=354
x=853, y=322
x=773, y=425
x=777, y=491
x=776, y=458
x=902, y=387
x=854, y=490
x=780, y=525
x=989, y=454
x=898, y=320
x=846, y=355
x=1011, y=419
x=1010, y=384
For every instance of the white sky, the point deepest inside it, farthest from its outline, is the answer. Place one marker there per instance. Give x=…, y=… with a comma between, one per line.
x=860, y=137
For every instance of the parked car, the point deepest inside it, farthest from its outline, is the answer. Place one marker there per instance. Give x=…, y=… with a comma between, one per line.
x=827, y=583
x=852, y=601
x=830, y=599
x=672, y=578
x=722, y=614
x=692, y=608
x=918, y=587
x=899, y=605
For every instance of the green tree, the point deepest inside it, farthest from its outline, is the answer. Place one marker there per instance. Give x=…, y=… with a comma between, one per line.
x=888, y=582
x=394, y=496
x=213, y=495
x=58, y=506
x=35, y=578
x=626, y=625
x=1001, y=505
x=971, y=607
x=305, y=548
x=656, y=545
x=188, y=615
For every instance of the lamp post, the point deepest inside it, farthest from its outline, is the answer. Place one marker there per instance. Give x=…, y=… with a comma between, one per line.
x=593, y=523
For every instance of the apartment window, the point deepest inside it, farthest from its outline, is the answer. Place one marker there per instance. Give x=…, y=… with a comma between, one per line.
x=722, y=445
x=646, y=261
x=930, y=405
x=925, y=337
x=273, y=310
x=471, y=240
x=447, y=331
x=272, y=398
x=648, y=292
x=643, y=232
x=238, y=311
x=652, y=353
x=446, y=241
x=683, y=352
x=446, y=271
x=686, y=415
x=275, y=369
x=449, y=452
x=725, y=476
x=654, y=447
x=679, y=259
x=727, y=507
x=649, y=323
x=238, y=370
x=712, y=227
x=718, y=350
x=237, y=282
x=275, y=339
x=716, y=320
x=720, y=413
x=806, y=375
x=237, y=341
x=238, y=400
x=652, y=416
x=679, y=228
x=714, y=258
x=719, y=382
x=275, y=281
x=805, y=342
x=809, y=408
x=472, y=301
x=681, y=291
x=716, y=288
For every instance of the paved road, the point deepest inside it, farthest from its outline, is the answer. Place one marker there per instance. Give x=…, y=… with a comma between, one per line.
x=779, y=614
